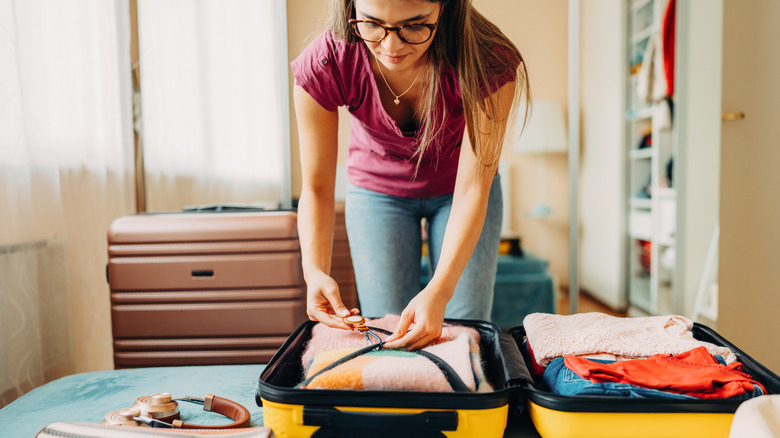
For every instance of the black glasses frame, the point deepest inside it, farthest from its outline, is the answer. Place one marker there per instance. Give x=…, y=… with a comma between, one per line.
x=354, y=23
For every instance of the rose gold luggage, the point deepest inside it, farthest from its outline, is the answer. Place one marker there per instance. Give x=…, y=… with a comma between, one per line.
x=203, y=288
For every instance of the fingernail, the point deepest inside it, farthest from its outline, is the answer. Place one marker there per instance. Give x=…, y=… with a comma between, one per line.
x=344, y=312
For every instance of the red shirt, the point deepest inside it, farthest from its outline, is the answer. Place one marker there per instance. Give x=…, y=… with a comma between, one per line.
x=381, y=157
x=696, y=373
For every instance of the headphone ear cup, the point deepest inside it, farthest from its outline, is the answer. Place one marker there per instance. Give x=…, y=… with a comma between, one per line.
x=123, y=417
x=158, y=407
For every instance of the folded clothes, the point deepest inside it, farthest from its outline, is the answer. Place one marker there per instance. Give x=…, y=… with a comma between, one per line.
x=695, y=373
x=601, y=336
x=386, y=369
x=563, y=381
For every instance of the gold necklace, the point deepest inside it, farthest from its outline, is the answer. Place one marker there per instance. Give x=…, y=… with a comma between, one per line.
x=397, y=96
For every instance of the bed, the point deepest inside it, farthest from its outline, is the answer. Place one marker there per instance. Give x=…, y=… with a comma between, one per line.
x=87, y=397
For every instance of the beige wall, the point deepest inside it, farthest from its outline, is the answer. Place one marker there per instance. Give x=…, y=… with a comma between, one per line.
x=749, y=299
x=602, y=162
x=539, y=29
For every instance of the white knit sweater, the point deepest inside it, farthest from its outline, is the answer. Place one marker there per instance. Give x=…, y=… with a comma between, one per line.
x=600, y=336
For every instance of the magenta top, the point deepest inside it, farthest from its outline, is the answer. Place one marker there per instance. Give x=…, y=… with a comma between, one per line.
x=381, y=156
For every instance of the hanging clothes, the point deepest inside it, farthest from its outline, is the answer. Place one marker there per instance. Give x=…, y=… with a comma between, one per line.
x=655, y=80
x=667, y=45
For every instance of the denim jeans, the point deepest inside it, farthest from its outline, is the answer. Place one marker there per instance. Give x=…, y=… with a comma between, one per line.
x=385, y=239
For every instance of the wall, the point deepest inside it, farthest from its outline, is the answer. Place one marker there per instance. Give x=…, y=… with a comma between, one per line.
x=602, y=177
x=305, y=20
x=749, y=207
x=539, y=29
x=698, y=81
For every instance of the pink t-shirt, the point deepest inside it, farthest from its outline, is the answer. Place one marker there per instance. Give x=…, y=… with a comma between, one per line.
x=381, y=156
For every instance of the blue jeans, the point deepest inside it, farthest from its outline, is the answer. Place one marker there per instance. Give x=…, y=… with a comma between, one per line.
x=385, y=239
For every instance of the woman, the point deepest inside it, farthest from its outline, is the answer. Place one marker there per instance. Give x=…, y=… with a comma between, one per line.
x=430, y=86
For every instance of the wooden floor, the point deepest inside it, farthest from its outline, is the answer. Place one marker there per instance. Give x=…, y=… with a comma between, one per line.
x=586, y=304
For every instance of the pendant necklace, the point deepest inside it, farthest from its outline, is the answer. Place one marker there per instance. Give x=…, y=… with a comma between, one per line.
x=397, y=96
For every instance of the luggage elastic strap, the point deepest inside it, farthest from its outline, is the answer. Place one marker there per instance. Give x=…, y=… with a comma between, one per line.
x=456, y=383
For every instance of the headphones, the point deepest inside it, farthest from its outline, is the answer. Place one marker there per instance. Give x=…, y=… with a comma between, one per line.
x=162, y=411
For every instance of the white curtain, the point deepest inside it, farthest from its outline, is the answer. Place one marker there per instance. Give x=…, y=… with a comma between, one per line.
x=214, y=98
x=65, y=155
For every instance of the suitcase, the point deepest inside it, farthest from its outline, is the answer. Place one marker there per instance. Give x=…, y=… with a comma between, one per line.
x=557, y=416
x=300, y=412
x=203, y=288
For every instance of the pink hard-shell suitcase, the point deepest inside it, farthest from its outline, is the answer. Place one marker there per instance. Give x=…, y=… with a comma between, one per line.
x=203, y=288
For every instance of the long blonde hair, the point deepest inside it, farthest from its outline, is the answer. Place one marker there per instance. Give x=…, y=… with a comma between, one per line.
x=480, y=54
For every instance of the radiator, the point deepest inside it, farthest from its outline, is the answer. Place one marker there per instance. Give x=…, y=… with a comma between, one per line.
x=35, y=334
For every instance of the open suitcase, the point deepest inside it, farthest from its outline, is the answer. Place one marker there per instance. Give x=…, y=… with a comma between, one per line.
x=203, y=288
x=557, y=416
x=301, y=412
x=322, y=413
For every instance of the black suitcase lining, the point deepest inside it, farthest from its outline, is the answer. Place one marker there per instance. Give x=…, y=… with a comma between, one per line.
x=285, y=371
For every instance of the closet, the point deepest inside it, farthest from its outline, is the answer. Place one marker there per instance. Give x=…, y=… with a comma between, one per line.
x=651, y=155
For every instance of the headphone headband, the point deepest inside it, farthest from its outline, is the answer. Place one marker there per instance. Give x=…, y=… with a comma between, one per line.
x=236, y=412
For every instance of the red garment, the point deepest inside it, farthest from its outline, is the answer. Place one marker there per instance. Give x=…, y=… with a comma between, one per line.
x=695, y=372
x=667, y=35
x=536, y=370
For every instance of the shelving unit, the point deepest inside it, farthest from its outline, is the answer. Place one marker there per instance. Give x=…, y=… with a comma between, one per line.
x=677, y=221
x=651, y=200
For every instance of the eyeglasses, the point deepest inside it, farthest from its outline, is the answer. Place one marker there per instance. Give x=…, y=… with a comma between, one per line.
x=375, y=32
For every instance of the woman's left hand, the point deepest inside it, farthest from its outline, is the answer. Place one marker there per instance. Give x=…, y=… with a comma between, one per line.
x=426, y=312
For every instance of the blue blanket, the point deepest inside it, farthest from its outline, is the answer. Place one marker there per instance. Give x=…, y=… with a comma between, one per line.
x=88, y=397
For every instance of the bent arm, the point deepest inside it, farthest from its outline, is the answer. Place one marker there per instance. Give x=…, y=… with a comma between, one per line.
x=467, y=216
x=318, y=139
x=470, y=200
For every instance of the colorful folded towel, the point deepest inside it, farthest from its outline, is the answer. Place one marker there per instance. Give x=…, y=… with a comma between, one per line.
x=600, y=336
x=397, y=370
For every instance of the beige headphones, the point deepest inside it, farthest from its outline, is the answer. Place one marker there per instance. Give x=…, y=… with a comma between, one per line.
x=162, y=411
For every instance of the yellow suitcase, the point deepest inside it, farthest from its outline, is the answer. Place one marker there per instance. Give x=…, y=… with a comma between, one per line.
x=558, y=416
x=292, y=412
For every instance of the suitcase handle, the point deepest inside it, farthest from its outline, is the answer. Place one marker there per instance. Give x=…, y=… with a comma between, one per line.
x=334, y=422
x=514, y=363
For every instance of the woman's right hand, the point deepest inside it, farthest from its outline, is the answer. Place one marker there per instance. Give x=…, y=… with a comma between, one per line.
x=323, y=301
